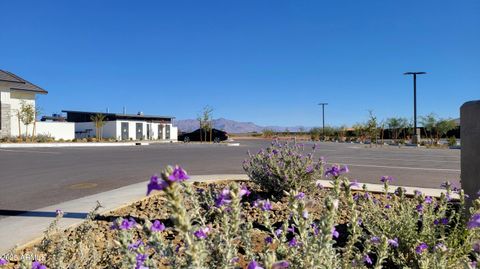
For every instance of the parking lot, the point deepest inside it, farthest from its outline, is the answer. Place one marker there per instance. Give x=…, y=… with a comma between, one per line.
x=34, y=178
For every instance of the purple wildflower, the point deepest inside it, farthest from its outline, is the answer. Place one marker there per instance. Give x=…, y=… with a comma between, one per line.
x=309, y=169
x=202, y=233
x=135, y=245
x=254, y=265
x=375, y=240
x=124, y=225
x=476, y=247
x=474, y=221
x=157, y=226
x=223, y=198
x=278, y=231
x=428, y=199
x=441, y=247
x=421, y=248
x=386, y=179
x=367, y=259
x=244, y=191
x=178, y=174
x=268, y=240
x=319, y=185
x=336, y=171
x=140, y=261
x=335, y=234
x=354, y=184
x=38, y=265
x=59, y=212
x=388, y=206
x=293, y=242
x=356, y=196
x=417, y=192
x=315, y=229
x=3, y=261
x=300, y=196
x=419, y=208
x=156, y=184
x=393, y=242
x=305, y=214
x=281, y=265
x=291, y=229
x=235, y=260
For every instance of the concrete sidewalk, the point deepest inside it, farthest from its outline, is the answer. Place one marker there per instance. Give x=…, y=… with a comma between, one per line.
x=21, y=230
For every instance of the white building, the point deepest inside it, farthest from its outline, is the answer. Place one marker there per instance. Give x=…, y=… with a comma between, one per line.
x=124, y=126
x=14, y=91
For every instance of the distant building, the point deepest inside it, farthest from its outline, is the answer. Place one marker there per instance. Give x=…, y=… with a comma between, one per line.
x=124, y=126
x=14, y=91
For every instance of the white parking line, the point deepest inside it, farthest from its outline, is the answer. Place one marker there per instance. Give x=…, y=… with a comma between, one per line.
x=389, y=159
x=402, y=167
x=30, y=151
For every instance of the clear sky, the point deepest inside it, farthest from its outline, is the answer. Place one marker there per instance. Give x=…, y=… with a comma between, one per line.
x=269, y=62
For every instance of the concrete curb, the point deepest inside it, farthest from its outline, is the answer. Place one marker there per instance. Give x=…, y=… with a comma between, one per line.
x=36, y=221
x=65, y=145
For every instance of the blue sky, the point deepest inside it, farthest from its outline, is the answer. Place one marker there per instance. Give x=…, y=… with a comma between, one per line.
x=269, y=62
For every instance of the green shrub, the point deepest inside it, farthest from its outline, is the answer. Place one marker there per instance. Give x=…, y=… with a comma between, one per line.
x=283, y=167
x=452, y=141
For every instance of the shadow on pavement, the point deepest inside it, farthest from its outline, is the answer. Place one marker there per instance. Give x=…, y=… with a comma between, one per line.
x=41, y=214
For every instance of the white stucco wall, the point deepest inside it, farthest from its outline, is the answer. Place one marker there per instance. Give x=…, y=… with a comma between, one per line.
x=57, y=130
x=81, y=130
x=113, y=129
x=16, y=99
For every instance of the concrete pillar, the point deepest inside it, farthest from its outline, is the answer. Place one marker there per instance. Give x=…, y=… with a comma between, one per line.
x=470, y=144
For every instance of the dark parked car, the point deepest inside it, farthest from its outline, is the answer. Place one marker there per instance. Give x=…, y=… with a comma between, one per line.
x=217, y=136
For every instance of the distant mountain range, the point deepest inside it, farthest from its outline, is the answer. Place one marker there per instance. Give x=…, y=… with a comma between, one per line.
x=231, y=126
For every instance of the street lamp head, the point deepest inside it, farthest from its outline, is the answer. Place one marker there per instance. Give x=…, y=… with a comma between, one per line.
x=414, y=73
x=322, y=104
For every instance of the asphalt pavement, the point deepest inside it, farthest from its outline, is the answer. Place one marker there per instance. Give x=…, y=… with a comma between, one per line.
x=38, y=177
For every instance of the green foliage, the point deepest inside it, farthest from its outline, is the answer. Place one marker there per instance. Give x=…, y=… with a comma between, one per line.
x=452, y=141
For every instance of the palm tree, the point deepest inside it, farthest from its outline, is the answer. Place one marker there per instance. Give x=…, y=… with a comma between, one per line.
x=99, y=121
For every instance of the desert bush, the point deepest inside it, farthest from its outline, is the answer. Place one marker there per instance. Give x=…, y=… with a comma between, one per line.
x=44, y=138
x=452, y=141
x=283, y=167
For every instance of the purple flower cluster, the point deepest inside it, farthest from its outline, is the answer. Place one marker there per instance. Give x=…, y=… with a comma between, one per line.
x=474, y=221
x=38, y=265
x=300, y=196
x=336, y=171
x=225, y=197
x=254, y=265
x=202, y=233
x=140, y=261
x=3, y=261
x=124, y=225
x=177, y=175
x=335, y=233
x=443, y=221
x=386, y=179
x=157, y=226
x=422, y=247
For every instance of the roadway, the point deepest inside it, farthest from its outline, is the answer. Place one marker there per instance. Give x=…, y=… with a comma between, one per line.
x=38, y=177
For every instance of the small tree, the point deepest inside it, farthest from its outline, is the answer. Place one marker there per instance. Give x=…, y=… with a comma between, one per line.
x=372, y=127
x=99, y=121
x=27, y=115
x=429, y=123
x=443, y=126
x=206, y=124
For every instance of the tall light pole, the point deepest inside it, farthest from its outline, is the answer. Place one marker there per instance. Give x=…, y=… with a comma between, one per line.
x=323, y=118
x=416, y=135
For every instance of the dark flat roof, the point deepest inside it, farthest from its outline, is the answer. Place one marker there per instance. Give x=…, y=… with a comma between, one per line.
x=19, y=83
x=82, y=116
